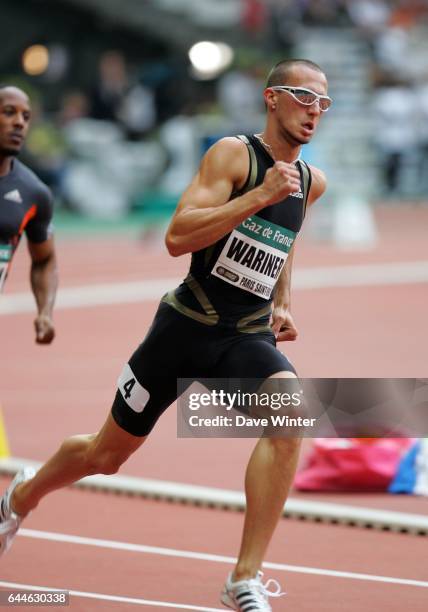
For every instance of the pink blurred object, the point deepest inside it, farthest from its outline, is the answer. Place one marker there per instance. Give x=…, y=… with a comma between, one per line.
x=351, y=464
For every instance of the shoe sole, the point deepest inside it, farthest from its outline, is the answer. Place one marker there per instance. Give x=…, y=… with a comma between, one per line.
x=9, y=527
x=227, y=601
x=8, y=530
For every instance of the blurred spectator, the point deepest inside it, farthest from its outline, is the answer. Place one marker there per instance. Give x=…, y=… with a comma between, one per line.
x=398, y=46
x=325, y=12
x=46, y=150
x=111, y=86
x=285, y=18
x=74, y=105
x=254, y=16
x=137, y=112
x=395, y=132
x=391, y=52
x=371, y=16
x=116, y=97
x=408, y=13
x=238, y=93
x=422, y=103
x=179, y=137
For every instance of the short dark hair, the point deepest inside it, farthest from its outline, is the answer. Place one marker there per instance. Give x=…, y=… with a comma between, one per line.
x=280, y=72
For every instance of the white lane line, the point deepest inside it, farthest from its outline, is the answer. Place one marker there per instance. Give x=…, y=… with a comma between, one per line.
x=304, y=279
x=103, y=596
x=187, y=554
x=326, y=512
x=391, y=273
x=93, y=295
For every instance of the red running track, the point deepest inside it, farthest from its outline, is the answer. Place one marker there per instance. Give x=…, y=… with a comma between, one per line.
x=165, y=578
x=48, y=393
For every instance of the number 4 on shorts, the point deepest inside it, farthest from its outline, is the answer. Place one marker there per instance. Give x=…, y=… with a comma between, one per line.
x=127, y=387
x=134, y=394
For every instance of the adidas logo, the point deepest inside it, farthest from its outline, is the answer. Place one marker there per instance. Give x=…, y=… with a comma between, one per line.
x=13, y=196
x=297, y=194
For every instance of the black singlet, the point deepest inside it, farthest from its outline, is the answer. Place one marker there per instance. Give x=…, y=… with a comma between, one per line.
x=210, y=327
x=231, y=282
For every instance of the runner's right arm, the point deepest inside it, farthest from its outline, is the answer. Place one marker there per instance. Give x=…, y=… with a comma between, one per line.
x=205, y=212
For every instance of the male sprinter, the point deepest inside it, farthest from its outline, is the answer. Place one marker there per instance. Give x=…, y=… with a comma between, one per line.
x=25, y=205
x=216, y=323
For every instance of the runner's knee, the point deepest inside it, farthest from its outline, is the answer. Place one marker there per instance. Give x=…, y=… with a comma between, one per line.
x=76, y=447
x=97, y=460
x=105, y=460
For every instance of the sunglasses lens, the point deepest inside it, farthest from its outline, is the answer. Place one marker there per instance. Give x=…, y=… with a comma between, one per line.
x=304, y=97
x=325, y=104
x=308, y=98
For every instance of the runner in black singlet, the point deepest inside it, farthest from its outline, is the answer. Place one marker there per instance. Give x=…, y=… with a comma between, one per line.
x=226, y=302
x=25, y=206
x=239, y=218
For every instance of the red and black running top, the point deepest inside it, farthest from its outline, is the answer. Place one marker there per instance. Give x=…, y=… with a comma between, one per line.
x=25, y=205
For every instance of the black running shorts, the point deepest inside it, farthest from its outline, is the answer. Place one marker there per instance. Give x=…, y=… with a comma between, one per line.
x=177, y=346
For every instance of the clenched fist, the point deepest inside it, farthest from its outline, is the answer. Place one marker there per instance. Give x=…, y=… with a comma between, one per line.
x=282, y=325
x=280, y=181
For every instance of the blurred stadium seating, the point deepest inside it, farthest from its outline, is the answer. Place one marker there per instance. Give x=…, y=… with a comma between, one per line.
x=127, y=63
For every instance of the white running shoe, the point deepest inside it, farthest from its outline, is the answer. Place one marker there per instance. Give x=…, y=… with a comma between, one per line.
x=249, y=595
x=9, y=520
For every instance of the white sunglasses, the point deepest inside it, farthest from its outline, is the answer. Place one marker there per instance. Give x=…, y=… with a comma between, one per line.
x=307, y=97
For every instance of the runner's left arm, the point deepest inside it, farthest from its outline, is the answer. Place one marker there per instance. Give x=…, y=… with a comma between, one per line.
x=282, y=322
x=44, y=282
x=318, y=186
x=44, y=274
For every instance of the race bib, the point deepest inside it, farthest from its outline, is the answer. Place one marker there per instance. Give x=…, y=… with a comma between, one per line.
x=5, y=257
x=254, y=255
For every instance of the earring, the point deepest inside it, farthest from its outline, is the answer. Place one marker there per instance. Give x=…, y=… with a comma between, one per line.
x=273, y=106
